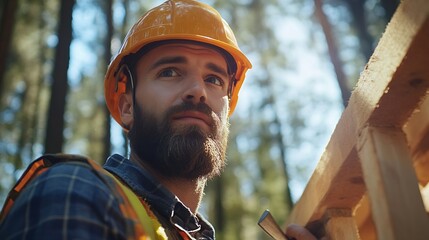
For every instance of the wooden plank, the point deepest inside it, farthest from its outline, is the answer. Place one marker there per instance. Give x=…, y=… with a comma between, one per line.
x=338, y=172
x=417, y=132
x=396, y=203
x=390, y=88
x=425, y=196
x=363, y=218
x=396, y=77
x=340, y=225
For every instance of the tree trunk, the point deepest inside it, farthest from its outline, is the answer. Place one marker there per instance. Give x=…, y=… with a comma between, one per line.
x=219, y=208
x=389, y=7
x=124, y=28
x=54, y=138
x=23, y=130
x=366, y=41
x=6, y=29
x=39, y=85
x=282, y=147
x=126, y=5
x=333, y=52
x=107, y=55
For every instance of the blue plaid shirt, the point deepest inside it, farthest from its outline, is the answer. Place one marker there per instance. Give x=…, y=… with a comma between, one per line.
x=69, y=201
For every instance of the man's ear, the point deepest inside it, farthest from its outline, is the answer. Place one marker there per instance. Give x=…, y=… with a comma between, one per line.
x=126, y=109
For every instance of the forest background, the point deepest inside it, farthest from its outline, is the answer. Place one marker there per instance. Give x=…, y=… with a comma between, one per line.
x=306, y=55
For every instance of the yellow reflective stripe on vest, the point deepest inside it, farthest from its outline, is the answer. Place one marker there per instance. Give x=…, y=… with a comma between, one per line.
x=151, y=226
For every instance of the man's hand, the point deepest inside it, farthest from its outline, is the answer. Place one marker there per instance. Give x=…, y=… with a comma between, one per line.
x=297, y=232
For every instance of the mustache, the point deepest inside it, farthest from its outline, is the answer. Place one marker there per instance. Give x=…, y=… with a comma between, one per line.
x=187, y=106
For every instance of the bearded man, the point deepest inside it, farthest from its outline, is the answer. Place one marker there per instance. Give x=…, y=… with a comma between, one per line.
x=172, y=87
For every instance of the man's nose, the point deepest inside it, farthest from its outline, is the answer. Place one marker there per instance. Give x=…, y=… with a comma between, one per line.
x=195, y=91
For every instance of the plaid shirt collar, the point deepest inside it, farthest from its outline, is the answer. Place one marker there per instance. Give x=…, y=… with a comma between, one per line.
x=162, y=201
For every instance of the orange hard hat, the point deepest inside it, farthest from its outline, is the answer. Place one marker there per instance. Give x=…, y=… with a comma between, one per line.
x=175, y=20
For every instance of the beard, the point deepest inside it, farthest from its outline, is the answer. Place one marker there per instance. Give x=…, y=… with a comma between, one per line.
x=183, y=152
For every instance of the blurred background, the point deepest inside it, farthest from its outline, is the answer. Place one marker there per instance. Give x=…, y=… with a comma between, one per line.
x=306, y=55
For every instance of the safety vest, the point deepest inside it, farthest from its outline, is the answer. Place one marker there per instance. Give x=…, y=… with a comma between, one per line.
x=145, y=225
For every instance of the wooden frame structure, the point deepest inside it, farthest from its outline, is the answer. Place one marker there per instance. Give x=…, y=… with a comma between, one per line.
x=372, y=180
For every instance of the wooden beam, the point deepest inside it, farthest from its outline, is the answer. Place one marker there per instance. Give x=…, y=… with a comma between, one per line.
x=417, y=132
x=340, y=225
x=396, y=78
x=393, y=191
x=336, y=182
x=425, y=196
x=363, y=218
x=390, y=88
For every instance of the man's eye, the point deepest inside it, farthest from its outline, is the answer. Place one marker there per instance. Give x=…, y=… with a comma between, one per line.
x=215, y=80
x=168, y=73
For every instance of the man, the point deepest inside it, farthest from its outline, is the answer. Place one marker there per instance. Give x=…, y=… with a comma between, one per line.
x=172, y=87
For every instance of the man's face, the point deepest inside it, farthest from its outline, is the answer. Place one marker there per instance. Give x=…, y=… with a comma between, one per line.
x=180, y=125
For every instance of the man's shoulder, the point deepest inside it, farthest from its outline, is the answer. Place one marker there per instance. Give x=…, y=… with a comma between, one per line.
x=73, y=174
x=60, y=168
x=76, y=182
x=68, y=193
x=62, y=183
